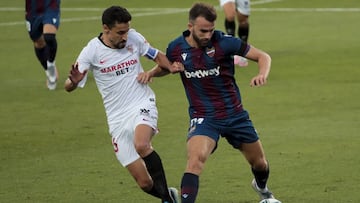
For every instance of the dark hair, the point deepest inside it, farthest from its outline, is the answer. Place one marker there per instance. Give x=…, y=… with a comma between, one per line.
x=115, y=14
x=204, y=10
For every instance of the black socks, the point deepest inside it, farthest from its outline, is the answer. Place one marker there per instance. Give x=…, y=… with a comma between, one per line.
x=189, y=187
x=261, y=177
x=230, y=27
x=155, y=168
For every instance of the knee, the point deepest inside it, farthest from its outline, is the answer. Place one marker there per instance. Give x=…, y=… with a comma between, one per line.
x=230, y=13
x=260, y=164
x=195, y=165
x=142, y=148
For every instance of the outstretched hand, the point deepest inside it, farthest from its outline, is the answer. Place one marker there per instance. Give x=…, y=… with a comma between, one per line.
x=75, y=75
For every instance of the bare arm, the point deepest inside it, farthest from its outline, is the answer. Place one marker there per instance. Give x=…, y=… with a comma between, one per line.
x=156, y=71
x=164, y=63
x=264, y=63
x=163, y=67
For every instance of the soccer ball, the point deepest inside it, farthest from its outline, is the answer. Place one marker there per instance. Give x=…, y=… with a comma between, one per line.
x=270, y=200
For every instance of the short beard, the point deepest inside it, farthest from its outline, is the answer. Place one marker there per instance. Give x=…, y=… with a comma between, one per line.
x=118, y=45
x=199, y=42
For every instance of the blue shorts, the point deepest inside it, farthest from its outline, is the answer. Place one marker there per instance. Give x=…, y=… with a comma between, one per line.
x=35, y=24
x=237, y=129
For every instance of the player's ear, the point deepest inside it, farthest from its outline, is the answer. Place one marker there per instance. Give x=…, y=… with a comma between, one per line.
x=190, y=25
x=106, y=29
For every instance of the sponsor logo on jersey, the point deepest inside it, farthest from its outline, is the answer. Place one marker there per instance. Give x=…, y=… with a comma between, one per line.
x=121, y=67
x=203, y=73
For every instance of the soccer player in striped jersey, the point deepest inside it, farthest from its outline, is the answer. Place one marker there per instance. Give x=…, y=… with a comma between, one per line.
x=42, y=22
x=215, y=106
x=130, y=104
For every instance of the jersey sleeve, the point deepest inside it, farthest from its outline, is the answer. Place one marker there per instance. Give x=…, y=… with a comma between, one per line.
x=170, y=53
x=84, y=63
x=235, y=46
x=145, y=48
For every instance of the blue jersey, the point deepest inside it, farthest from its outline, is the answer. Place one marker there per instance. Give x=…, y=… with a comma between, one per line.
x=40, y=7
x=208, y=77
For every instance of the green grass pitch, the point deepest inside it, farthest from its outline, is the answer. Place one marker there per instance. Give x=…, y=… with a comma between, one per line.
x=55, y=147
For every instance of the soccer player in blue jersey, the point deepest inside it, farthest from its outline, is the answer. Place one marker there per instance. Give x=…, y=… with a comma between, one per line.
x=215, y=105
x=42, y=23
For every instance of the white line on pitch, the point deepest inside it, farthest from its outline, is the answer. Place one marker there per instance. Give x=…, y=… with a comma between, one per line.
x=165, y=11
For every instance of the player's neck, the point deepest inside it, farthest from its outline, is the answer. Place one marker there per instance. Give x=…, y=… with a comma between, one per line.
x=190, y=40
x=105, y=41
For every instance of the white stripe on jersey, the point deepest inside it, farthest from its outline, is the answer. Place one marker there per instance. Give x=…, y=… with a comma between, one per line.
x=115, y=72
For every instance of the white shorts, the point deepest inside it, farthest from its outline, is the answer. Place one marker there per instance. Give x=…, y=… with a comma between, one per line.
x=123, y=134
x=243, y=6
